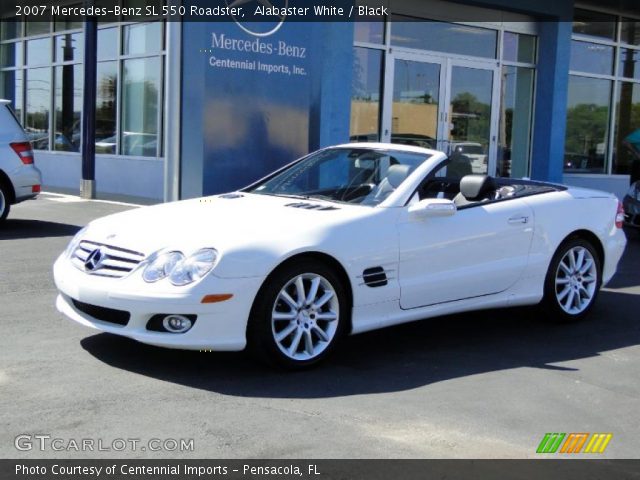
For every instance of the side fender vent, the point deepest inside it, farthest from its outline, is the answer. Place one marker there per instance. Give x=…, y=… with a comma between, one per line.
x=374, y=277
x=231, y=196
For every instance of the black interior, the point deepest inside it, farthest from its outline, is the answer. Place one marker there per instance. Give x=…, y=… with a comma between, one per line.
x=480, y=189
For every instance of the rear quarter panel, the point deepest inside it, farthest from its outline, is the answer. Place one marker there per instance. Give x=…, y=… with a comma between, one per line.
x=558, y=214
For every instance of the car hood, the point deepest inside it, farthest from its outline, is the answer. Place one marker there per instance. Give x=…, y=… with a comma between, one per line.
x=225, y=222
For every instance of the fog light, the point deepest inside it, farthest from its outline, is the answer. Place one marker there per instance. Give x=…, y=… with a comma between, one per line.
x=176, y=323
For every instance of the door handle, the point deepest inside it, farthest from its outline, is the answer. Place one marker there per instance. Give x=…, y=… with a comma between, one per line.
x=518, y=219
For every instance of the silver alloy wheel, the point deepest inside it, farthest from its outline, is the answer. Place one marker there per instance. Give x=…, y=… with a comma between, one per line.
x=576, y=280
x=305, y=316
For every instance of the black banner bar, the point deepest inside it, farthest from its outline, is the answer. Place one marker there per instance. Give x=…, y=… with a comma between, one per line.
x=543, y=469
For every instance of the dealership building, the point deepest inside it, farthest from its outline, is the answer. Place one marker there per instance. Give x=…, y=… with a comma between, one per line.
x=546, y=89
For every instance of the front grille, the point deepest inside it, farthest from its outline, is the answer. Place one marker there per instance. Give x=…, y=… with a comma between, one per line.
x=114, y=262
x=110, y=315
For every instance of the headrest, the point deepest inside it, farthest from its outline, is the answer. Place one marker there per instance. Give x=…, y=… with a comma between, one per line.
x=397, y=173
x=476, y=187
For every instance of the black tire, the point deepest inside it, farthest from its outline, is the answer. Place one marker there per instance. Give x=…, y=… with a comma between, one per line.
x=262, y=330
x=555, y=306
x=5, y=204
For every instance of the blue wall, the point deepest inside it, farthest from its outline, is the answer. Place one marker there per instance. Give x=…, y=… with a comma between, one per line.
x=240, y=122
x=547, y=158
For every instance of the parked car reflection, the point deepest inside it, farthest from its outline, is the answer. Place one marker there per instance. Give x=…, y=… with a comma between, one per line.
x=136, y=144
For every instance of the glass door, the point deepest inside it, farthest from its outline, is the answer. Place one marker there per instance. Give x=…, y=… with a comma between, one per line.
x=445, y=104
x=470, y=132
x=414, y=100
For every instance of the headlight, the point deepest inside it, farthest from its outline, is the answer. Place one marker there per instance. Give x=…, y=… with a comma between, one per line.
x=75, y=241
x=194, y=267
x=161, y=266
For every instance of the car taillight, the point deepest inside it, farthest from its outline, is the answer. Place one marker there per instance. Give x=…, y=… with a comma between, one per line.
x=24, y=151
x=620, y=215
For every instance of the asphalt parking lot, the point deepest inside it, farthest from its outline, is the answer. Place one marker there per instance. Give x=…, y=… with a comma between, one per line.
x=481, y=385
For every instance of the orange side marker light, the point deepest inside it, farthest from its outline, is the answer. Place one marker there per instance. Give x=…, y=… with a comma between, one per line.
x=216, y=297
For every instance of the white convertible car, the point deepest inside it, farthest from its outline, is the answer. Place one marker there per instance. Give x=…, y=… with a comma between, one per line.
x=347, y=239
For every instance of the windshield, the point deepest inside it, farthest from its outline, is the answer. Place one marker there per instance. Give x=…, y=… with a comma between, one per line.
x=350, y=175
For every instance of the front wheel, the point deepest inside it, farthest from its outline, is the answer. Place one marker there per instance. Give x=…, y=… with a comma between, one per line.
x=299, y=315
x=573, y=281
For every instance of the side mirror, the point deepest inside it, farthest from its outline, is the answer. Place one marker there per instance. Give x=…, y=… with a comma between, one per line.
x=433, y=207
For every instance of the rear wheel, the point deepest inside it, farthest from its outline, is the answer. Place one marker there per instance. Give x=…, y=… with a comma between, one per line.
x=299, y=315
x=5, y=206
x=573, y=281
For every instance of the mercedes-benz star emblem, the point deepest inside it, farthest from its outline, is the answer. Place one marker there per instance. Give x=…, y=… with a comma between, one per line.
x=258, y=29
x=94, y=260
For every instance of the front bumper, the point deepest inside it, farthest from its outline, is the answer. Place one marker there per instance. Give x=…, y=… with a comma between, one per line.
x=219, y=326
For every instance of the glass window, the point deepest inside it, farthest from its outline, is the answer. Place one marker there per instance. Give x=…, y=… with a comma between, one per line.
x=370, y=32
x=37, y=107
x=38, y=51
x=60, y=25
x=107, y=43
x=591, y=57
x=142, y=38
x=140, y=102
x=69, y=47
x=11, y=54
x=37, y=28
x=629, y=66
x=627, y=129
x=519, y=48
x=67, y=107
x=470, y=117
x=365, y=94
x=106, y=112
x=514, y=137
x=11, y=89
x=10, y=28
x=416, y=90
x=424, y=34
x=43, y=77
x=594, y=24
x=587, y=125
x=630, y=31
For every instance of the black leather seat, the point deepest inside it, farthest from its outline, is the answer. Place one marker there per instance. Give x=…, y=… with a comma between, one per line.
x=475, y=188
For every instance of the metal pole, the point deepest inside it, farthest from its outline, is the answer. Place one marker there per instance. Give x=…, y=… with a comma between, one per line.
x=172, y=114
x=88, y=182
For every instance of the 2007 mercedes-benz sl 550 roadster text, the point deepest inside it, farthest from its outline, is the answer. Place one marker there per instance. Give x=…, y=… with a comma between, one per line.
x=347, y=239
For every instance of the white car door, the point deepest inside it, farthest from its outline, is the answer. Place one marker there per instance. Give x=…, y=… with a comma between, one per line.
x=479, y=250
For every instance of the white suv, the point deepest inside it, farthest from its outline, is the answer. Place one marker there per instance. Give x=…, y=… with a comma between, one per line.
x=19, y=178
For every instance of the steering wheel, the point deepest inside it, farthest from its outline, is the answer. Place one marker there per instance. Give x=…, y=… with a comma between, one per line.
x=366, y=188
x=355, y=186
